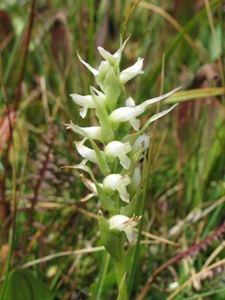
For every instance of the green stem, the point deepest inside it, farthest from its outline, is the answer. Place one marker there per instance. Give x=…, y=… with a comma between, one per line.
x=120, y=268
x=103, y=273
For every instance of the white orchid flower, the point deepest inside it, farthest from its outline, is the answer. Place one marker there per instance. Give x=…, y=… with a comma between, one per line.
x=124, y=114
x=118, y=149
x=119, y=223
x=132, y=71
x=129, y=113
x=84, y=101
x=86, y=152
x=113, y=59
x=114, y=182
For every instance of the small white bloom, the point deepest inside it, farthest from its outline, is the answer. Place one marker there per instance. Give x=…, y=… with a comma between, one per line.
x=132, y=71
x=114, y=182
x=117, y=149
x=119, y=223
x=124, y=114
x=130, y=113
x=86, y=152
x=107, y=56
x=84, y=101
x=113, y=59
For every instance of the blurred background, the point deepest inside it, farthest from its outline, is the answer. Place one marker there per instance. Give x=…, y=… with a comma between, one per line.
x=182, y=43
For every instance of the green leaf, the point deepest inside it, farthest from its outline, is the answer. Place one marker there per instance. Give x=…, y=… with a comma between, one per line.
x=22, y=285
x=123, y=289
x=109, y=240
x=188, y=95
x=130, y=208
x=112, y=89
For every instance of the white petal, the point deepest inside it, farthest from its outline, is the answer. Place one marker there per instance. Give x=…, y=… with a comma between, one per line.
x=107, y=56
x=94, y=71
x=131, y=236
x=116, y=223
x=93, y=132
x=117, y=182
x=84, y=101
x=135, y=123
x=118, y=149
x=111, y=181
x=86, y=152
x=132, y=71
x=142, y=141
x=124, y=114
x=100, y=94
x=119, y=223
x=113, y=59
x=124, y=195
x=130, y=102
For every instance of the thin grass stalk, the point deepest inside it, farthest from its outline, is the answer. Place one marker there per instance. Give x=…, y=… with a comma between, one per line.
x=22, y=70
x=14, y=180
x=91, y=37
x=102, y=274
x=206, y=294
x=178, y=38
x=215, y=40
x=197, y=275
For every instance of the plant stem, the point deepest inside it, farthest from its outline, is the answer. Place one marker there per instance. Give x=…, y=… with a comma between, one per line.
x=120, y=268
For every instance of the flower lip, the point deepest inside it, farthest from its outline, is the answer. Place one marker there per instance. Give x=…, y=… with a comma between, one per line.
x=114, y=182
x=132, y=71
x=118, y=149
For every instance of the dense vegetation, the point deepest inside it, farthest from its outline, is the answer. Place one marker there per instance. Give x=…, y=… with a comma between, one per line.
x=180, y=254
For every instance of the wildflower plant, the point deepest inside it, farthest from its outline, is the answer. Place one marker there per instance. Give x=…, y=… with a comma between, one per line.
x=117, y=145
